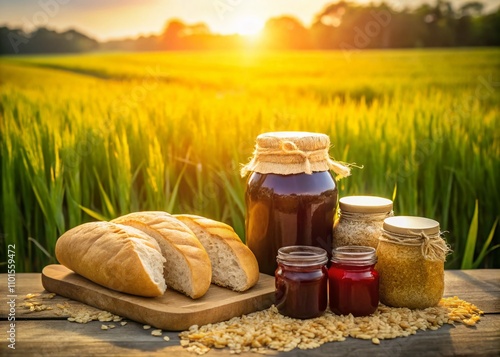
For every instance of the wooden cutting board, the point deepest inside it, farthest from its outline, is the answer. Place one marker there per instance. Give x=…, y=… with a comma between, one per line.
x=172, y=311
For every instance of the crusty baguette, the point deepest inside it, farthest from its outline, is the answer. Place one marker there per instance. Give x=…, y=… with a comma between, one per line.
x=118, y=257
x=188, y=268
x=233, y=263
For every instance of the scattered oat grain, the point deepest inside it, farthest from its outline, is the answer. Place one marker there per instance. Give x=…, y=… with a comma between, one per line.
x=83, y=314
x=267, y=330
x=31, y=296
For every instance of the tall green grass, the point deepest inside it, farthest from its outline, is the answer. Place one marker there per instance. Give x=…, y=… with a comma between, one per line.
x=96, y=136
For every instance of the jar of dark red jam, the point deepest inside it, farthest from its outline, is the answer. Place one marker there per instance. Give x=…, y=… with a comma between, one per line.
x=353, y=281
x=291, y=196
x=301, y=281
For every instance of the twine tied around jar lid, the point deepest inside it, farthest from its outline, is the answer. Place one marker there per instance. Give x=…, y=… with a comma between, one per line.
x=365, y=217
x=398, y=230
x=287, y=153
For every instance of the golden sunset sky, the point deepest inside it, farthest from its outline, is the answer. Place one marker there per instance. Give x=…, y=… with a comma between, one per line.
x=111, y=19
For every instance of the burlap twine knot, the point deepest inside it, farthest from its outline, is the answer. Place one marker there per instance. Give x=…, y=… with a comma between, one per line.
x=433, y=246
x=290, y=148
x=287, y=158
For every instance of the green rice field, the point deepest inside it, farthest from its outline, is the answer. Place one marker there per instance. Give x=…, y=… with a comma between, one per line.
x=95, y=136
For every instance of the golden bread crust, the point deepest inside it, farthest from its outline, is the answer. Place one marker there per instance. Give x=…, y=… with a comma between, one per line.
x=107, y=254
x=168, y=230
x=226, y=235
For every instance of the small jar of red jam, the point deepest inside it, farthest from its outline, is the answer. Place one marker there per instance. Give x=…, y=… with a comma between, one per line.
x=353, y=281
x=291, y=195
x=301, y=281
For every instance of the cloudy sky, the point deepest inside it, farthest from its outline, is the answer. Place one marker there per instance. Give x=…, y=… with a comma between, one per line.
x=108, y=19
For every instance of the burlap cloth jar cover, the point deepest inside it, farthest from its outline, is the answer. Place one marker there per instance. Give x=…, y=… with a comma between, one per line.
x=289, y=152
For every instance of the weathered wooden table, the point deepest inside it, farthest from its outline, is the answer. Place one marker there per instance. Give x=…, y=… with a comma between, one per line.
x=49, y=333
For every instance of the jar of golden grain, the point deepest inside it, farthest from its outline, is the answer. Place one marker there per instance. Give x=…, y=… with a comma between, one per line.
x=411, y=256
x=360, y=220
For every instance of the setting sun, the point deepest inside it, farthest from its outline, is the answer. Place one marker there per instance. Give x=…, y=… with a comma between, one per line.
x=248, y=25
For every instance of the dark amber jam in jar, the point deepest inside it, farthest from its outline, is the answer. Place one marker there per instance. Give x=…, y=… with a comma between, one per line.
x=353, y=281
x=301, y=281
x=291, y=196
x=285, y=210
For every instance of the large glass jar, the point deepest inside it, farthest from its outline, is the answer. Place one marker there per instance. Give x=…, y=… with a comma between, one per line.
x=291, y=196
x=360, y=220
x=301, y=281
x=353, y=281
x=411, y=255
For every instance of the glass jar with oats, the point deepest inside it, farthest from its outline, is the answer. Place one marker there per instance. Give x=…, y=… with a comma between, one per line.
x=360, y=220
x=411, y=256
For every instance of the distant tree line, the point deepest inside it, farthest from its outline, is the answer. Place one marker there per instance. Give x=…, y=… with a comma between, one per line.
x=43, y=40
x=340, y=25
x=343, y=24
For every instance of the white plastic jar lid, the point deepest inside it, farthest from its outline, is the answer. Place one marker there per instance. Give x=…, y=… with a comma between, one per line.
x=365, y=204
x=405, y=224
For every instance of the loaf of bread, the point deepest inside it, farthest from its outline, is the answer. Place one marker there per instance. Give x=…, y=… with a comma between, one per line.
x=233, y=263
x=188, y=268
x=119, y=257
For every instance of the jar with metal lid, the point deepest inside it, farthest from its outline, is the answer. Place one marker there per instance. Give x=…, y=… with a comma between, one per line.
x=353, y=281
x=301, y=281
x=291, y=196
x=411, y=256
x=360, y=220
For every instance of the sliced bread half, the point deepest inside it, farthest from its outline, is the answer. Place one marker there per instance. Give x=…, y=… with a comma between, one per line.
x=118, y=257
x=233, y=264
x=188, y=268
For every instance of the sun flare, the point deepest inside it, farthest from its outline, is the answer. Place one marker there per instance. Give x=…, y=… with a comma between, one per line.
x=248, y=26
